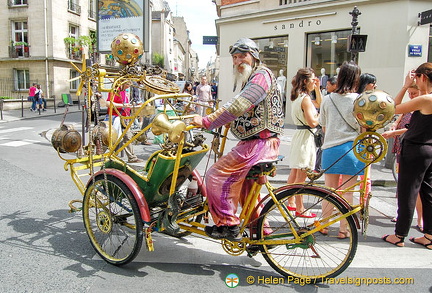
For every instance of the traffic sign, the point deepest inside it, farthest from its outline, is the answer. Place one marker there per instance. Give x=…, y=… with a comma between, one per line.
x=356, y=43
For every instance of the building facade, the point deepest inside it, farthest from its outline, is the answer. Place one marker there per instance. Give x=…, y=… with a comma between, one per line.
x=293, y=34
x=44, y=37
x=41, y=48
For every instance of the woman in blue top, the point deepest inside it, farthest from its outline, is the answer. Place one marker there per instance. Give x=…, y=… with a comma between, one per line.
x=341, y=129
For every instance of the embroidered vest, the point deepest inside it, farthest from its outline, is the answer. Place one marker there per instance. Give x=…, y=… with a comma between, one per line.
x=268, y=114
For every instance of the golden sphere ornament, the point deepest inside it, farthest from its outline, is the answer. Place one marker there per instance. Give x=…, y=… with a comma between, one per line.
x=127, y=48
x=374, y=109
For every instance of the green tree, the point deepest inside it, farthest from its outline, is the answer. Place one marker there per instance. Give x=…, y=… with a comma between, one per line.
x=158, y=59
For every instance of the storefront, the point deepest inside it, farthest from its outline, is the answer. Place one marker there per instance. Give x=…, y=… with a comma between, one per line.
x=315, y=35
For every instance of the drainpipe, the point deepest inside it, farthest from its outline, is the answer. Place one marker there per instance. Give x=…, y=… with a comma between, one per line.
x=48, y=90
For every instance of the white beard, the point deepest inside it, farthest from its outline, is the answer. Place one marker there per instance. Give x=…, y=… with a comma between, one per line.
x=242, y=77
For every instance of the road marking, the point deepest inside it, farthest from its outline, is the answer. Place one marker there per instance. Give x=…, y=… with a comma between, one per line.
x=14, y=129
x=18, y=143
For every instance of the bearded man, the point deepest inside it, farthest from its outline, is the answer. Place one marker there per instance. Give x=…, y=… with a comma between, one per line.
x=256, y=117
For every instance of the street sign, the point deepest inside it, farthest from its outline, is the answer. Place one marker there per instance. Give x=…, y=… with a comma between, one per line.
x=210, y=40
x=425, y=17
x=414, y=50
x=356, y=43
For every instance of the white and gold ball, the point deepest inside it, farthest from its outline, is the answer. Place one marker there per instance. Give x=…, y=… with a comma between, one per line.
x=127, y=48
x=374, y=109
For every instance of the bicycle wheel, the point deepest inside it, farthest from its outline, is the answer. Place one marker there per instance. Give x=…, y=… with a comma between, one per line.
x=318, y=256
x=112, y=220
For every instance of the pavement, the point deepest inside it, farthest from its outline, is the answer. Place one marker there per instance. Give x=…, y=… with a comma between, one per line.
x=382, y=179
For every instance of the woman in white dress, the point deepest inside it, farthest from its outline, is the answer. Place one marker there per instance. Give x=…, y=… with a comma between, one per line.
x=305, y=116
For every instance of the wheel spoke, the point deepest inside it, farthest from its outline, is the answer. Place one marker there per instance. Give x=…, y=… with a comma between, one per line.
x=315, y=256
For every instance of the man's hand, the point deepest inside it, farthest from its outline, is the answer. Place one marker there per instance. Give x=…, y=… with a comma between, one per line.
x=197, y=121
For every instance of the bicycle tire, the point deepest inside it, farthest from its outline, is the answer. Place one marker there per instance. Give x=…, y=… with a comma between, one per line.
x=112, y=220
x=319, y=256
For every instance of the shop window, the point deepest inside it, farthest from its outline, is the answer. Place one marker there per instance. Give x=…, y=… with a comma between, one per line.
x=274, y=53
x=327, y=50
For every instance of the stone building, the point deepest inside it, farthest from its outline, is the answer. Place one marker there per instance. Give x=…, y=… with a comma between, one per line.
x=313, y=33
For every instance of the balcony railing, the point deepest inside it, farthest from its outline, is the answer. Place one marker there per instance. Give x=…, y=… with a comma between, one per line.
x=287, y=2
x=74, y=53
x=74, y=7
x=19, y=51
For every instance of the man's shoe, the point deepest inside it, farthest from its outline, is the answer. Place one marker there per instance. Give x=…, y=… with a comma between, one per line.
x=231, y=233
x=137, y=160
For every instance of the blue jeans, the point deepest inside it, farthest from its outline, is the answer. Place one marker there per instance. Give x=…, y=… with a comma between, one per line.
x=33, y=106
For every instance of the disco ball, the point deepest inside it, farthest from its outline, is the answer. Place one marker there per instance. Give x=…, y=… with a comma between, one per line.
x=374, y=109
x=127, y=48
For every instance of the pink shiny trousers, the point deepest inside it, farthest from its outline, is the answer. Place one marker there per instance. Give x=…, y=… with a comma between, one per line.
x=226, y=181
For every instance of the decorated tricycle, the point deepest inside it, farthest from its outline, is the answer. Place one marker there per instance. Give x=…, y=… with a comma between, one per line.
x=123, y=204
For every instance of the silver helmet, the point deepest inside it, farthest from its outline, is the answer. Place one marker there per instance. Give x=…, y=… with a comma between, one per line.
x=245, y=45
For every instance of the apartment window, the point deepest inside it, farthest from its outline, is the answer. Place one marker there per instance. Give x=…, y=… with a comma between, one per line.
x=73, y=31
x=92, y=9
x=20, y=38
x=17, y=2
x=21, y=79
x=73, y=6
x=327, y=50
x=74, y=83
x=73, y=49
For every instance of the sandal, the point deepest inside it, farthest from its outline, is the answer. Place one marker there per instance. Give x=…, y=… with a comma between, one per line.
x=399, y=243
x=305, y=214
x=427, y=245
x=343, y=234
x=419, y=228
x=324, y=231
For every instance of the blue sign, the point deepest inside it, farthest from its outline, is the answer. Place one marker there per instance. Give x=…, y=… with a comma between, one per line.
x=414, y=50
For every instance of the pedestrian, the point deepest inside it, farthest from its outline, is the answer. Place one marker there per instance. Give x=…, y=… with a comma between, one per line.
x=367, y=83
x=188, y=89
x=256, y=118
x=39, y=98
x=32, y=91
x=303, y=150
x=399, y=127
x=204, y=97
x=331, y=84
x=122, y=108
x=341, y=129
x=415, y=173
x=214, y=91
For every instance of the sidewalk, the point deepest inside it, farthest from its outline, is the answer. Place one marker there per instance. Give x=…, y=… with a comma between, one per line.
x=19, y=114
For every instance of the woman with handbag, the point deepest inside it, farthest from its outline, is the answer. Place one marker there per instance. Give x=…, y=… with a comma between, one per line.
x=341, y=129
x=303, y=150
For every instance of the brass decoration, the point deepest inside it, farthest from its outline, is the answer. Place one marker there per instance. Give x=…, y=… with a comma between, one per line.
x=374, y=109
x=101, y=132
x=66, y=139
x=161, y=125
x=160, y=85
x=370, y=147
